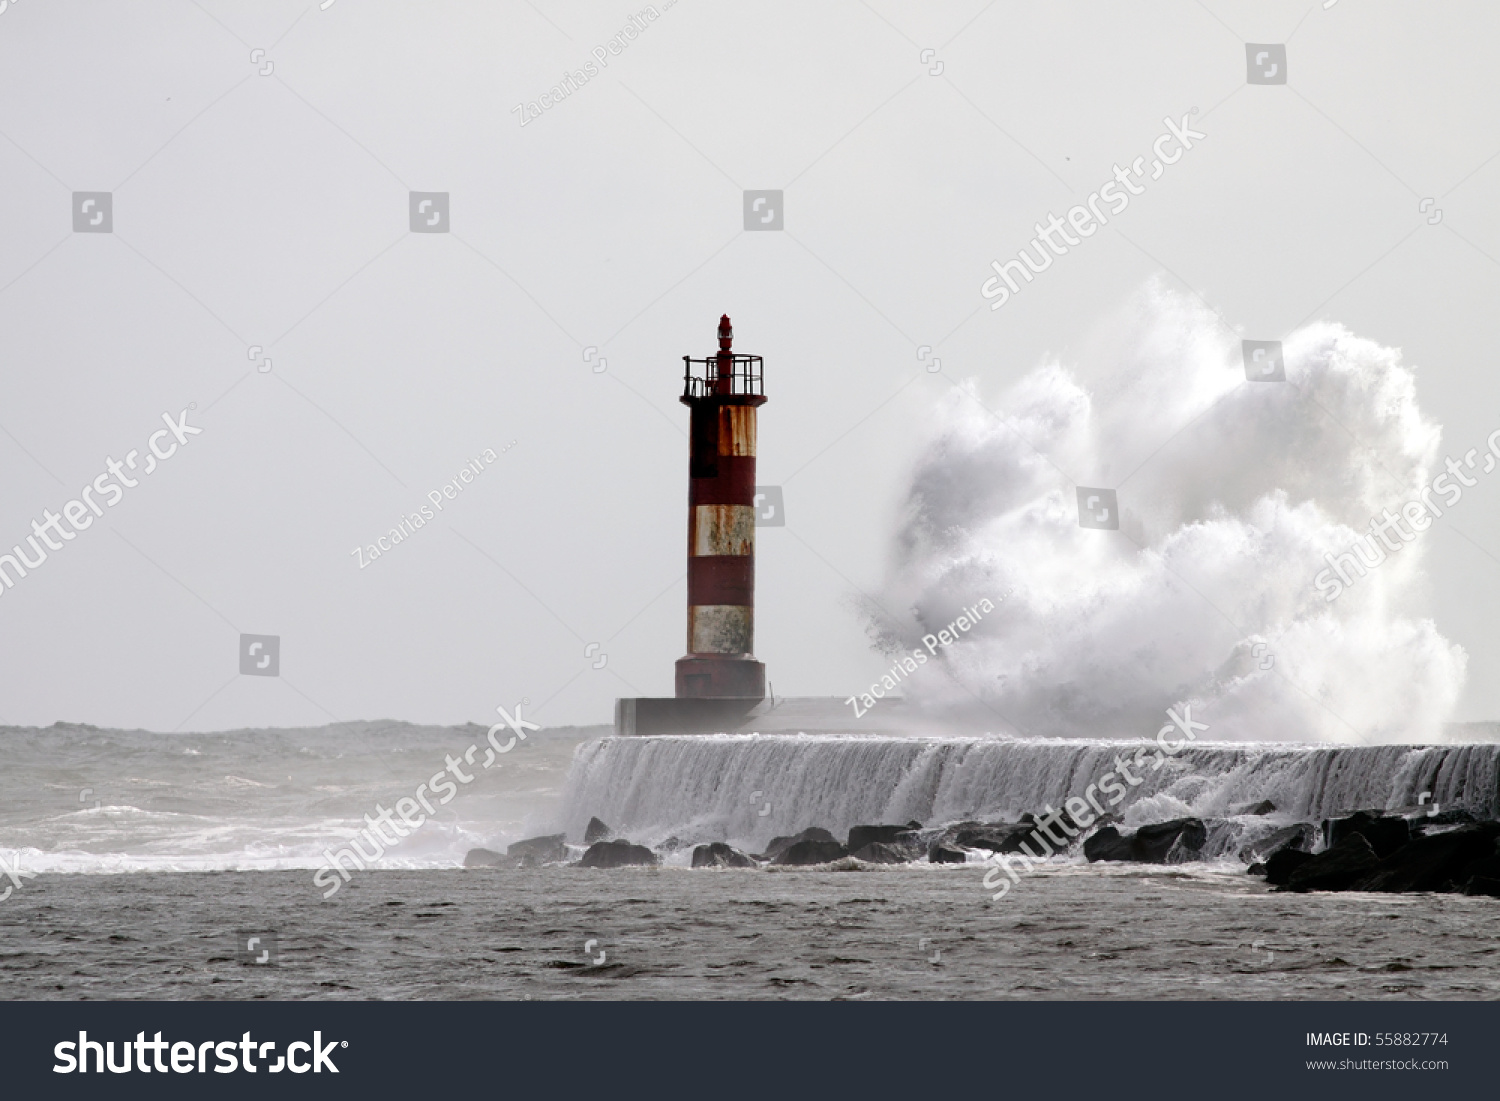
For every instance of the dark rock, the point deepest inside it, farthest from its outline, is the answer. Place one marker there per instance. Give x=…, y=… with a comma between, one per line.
x=485, y=858
x=779, y=845
x=1171, y=842
x=538, y=850
x=719, y=855
x=1299, y=836
x=1282, y=863
x=1487, y=867
x=810, y=851
x=881, y=852
x=1439, y=861
x=997, y=838
x=616, y=854
x=596, y=831
x=860, y=836
x=938, y=853
x=1385, y=834
x=1108, y=844
x=1337, y=868
x=1265, y=806
x=1483, y=885
x=914, y=825
x=1009, y=837
x=1256, y=869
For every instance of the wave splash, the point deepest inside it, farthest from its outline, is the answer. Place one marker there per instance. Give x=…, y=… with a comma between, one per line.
x=1229, y=494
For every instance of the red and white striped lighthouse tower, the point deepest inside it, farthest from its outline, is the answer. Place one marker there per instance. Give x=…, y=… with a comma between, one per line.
x=723, y=393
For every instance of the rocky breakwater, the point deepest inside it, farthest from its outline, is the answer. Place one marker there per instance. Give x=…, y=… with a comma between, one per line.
x=1394, y=852
x=1409, y=849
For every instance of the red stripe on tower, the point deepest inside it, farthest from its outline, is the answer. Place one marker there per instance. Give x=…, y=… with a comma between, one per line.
x=723, y=392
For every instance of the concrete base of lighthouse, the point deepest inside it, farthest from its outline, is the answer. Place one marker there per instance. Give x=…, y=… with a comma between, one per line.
x=673, y=715
x=720, y=676
x=667, y=715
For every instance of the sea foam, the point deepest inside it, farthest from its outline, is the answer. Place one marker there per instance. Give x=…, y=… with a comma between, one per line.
x=1230, y=493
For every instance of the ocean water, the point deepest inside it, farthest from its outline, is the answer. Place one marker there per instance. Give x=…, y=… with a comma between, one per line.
x=675, y=933
x=78, y=799
x=199, y=842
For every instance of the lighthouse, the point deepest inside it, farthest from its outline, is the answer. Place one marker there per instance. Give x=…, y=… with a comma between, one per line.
x=719, y=684
x=722, y=393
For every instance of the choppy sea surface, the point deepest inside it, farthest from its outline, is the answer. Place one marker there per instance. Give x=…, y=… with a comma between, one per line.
x=928, y=933
x=85, y=799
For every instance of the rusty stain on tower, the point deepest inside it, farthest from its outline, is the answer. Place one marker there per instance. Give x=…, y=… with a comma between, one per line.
x=722, y=392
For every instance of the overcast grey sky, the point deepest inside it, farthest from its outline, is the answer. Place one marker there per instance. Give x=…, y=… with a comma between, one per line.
x=265, y=204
